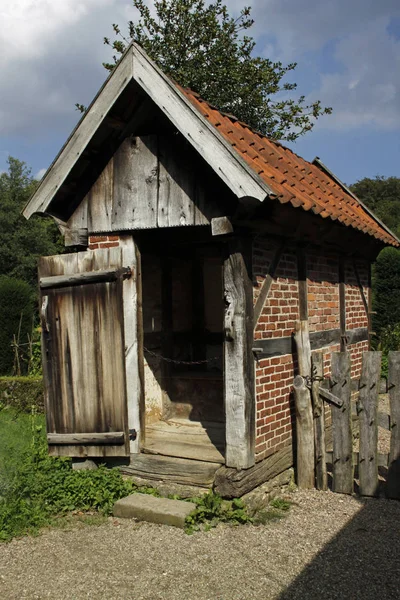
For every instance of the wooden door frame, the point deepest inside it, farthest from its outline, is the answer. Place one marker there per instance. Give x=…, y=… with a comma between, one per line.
x=133, y=340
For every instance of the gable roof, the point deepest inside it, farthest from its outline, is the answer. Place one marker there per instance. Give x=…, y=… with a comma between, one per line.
x=249, y=163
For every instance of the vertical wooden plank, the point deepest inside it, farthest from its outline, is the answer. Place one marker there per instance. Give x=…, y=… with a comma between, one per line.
x=342, y=304
x=341, y=425
x=135, y=194
x=133, y=336
x=393, y=484
x=302, y=283
x=321, y=476
x=368, y=419
x=177, y=189
x=100, y=201
x=238, y=356
x=304, y=415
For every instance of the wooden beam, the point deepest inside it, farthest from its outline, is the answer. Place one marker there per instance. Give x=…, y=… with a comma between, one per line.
x=304, y=415
x=81, y=136
x=221, y=226
x=239, y=360
x=133, y=337
x=233, y=483
x=114, y=437
x=342, y=304
x=302, y=283
x=318, y=339
x=58, y=281
x=76, y=237
x=266, y=286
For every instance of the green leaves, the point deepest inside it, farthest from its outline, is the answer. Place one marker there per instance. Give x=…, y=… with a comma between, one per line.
x=211, y=509
x=204, y=48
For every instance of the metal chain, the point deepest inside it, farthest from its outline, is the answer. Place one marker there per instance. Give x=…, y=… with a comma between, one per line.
x=180, y=362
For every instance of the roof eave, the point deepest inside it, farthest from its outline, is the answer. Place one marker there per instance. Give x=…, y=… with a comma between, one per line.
x=323, y=167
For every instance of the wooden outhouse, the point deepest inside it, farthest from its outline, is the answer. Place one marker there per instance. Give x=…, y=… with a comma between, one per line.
x=197, y=243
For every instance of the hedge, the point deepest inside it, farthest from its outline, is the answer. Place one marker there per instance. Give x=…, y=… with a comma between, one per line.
x=22, y=393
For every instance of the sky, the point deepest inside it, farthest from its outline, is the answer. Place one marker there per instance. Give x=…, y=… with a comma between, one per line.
x=347, y=54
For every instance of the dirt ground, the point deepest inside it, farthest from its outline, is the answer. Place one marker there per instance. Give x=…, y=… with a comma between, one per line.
x=329, y=546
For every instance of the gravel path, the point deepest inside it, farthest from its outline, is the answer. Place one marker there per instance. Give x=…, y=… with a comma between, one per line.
x=329, y=546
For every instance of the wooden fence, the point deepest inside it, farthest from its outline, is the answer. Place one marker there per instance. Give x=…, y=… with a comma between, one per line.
x=355, y=415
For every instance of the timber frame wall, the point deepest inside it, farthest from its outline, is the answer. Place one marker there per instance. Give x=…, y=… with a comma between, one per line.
x=291, y=282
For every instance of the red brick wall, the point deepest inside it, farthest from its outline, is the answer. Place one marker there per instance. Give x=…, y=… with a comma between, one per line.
x=103, y=241
x=274, y=376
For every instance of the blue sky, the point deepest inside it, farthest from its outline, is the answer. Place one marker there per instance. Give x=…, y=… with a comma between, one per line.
x=348, y=55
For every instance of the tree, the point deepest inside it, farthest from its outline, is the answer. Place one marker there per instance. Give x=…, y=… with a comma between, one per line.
x=22, y=241
x=16, y=314
x=387, y=290
x=382, y=195
x=204, y=48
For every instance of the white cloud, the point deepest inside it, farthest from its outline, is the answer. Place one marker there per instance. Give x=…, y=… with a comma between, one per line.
x=52, y=52
x=51, y=58
x=367, y=90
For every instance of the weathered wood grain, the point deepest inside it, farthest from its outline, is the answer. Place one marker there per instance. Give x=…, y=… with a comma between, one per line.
x=100, y=201
x=114, y=437
x=135, y=192
x=368, y=423
x=304, y=435
x=166, y=468
x=305, y=455
x=238, y=356
x=58, y=281
x=226, y=162
x=321, y=476
x=133, y=338
x=393, y=483
x=83, y=350
x=221, y=226
x=233, y=483
x=341, y=425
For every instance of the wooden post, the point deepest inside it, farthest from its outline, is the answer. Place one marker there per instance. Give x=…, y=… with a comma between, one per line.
x=238, y=357
x=321, y=476
x=304, y=434
x=304, y=415
x=393, y=484
x=341, y=425
x=368, y=419
x=342, y=304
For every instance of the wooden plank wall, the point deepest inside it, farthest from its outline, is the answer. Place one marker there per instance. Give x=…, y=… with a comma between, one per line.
x=151, y=181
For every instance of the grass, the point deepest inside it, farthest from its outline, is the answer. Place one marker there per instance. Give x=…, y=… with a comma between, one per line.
x=38, y=491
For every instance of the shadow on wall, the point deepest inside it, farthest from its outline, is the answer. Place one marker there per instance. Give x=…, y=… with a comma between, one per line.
x=361, y=562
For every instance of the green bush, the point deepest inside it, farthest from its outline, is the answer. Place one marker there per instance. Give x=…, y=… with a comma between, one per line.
x=386, y=290
x=16, y=317
x=22, y=393
x=35, y=487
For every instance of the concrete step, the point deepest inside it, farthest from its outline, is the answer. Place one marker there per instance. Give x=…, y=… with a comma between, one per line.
x=144, y=507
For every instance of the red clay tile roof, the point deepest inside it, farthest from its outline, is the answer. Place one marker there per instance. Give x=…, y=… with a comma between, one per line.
x=292, y=178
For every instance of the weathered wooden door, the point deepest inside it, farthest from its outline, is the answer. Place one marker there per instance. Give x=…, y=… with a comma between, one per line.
x=89, y=314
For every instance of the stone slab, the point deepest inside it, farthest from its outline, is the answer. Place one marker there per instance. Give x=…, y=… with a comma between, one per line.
x=144, y=507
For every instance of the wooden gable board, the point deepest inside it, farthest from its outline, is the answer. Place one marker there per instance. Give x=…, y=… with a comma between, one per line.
x=136, y=65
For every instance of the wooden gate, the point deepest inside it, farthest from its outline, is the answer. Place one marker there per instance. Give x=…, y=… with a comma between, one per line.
x=89, y=315
x=349, y=444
